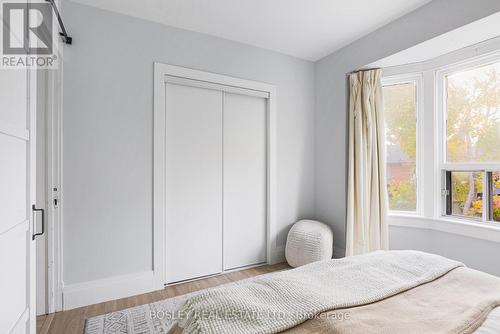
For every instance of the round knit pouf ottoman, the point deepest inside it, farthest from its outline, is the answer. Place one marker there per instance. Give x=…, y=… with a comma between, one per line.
x=308, y=241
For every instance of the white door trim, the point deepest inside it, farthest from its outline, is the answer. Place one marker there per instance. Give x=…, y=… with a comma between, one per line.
x=54, y=171
x=54, y=176
x=161, y=73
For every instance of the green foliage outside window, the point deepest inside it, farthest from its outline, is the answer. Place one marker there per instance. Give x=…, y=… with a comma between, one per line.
x=401, y=129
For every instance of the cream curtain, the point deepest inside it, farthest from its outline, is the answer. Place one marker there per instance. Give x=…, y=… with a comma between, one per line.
x=366, y=229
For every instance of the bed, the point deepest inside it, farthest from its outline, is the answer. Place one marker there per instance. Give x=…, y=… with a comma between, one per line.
x=458, y=302
x=383, y=292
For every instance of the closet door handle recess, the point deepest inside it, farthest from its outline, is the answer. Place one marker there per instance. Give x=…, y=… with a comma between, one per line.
x=33, y=207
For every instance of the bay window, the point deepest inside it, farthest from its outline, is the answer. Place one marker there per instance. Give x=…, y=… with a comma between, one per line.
x=443, y=139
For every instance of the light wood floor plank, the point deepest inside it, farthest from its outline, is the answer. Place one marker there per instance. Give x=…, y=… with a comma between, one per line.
x=40, y=320
x=46, y=324
x=73, y=321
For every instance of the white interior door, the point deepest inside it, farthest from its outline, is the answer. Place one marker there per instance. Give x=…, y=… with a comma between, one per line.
x=244, y=180
x=17, y=178
x=193, y=182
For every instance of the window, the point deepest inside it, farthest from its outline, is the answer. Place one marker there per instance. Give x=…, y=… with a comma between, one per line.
x=442, y=127
x=473, y=115
x=472, y=142
x=495, y=196
x=465, y=194
x=400, y=112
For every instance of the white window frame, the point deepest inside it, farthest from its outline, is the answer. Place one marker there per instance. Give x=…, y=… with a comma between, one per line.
x=441, y=134
x=417, y=79
x=432, y=217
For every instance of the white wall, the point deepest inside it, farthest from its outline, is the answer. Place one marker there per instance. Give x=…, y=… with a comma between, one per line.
x=108, y=133
x=476, y=253
x=433, y=19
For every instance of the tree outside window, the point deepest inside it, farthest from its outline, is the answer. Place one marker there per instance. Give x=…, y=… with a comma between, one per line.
x=473, y=136
x=400, y=111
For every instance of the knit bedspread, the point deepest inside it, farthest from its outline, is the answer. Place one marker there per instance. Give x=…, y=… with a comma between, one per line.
x=279, y=301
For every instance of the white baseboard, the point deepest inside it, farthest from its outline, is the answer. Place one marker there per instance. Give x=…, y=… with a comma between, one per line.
x=111, y=288
x=93, y=292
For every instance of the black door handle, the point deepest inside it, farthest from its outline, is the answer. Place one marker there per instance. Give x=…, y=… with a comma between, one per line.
x=43, y=221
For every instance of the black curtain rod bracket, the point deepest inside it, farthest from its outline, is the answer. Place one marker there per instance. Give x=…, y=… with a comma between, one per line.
x=66, y=39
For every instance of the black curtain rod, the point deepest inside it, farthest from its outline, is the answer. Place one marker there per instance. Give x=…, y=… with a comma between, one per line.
x=66, y=39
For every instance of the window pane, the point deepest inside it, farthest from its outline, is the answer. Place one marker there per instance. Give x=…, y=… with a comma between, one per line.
x=400, y=113
x=473, y=111
x=467, y=194
x=495, y=195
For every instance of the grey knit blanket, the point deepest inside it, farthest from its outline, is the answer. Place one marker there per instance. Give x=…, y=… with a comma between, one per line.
x=279, y=301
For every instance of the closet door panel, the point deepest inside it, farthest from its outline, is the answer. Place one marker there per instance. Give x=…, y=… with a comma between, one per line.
x=193, y=182
x=244, y=204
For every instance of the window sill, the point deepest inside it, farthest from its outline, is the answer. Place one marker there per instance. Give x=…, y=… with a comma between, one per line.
x=405, y=214
x=463, y=227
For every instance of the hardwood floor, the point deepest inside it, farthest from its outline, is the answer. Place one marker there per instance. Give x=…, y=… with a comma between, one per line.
x=73, y=321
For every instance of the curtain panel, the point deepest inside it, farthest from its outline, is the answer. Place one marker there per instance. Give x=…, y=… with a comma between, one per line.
x=367, y=228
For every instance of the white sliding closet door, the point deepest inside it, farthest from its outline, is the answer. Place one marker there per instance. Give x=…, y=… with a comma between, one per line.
x=244, y=180
x=193, y=182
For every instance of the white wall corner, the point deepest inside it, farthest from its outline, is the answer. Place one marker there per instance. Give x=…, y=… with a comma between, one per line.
x=278, y=255
x=106, y=289
x=338, y=252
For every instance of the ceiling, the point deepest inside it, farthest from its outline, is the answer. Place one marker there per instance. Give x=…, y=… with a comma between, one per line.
x=308, y=29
